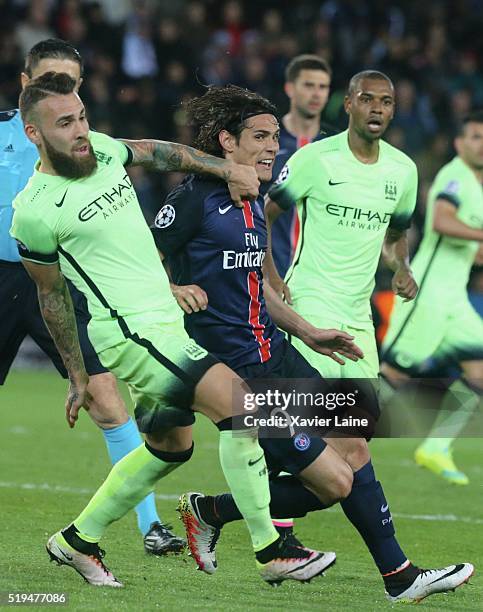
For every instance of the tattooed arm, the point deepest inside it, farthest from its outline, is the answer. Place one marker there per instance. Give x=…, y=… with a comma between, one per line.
x=58, y=313
x=171, y=157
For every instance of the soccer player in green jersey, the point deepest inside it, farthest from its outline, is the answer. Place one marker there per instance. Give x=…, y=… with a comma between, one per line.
x=106, y=407
x=81, y=210
x=441, y=327
x=355, y=195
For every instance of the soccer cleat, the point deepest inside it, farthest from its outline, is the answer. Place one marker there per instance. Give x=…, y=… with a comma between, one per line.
x=440, y=463
x=90, y=567
x=429, y=582
x=291, y=539
x=201, y=536
x=295, y=563
x=159, y=540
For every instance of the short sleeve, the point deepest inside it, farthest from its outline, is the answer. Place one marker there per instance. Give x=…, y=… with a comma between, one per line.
x=178, y=220
x=401, y=217
x=35, y=240
x=294, y=180
x=106, y=147
x=451, y=191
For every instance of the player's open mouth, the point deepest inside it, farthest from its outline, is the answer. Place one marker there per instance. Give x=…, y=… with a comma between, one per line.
x=266, y=163
x=374, y=124
x=83, y=150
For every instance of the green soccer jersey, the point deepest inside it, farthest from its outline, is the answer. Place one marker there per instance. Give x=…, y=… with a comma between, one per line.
x=442, y=264
x=345, y=207
x=95, y=228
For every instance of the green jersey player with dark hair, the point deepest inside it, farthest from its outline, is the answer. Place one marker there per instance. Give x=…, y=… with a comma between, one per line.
x=441, y=327
x=355, y=195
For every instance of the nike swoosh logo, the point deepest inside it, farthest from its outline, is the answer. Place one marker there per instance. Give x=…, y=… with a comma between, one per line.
x=455, y=570
x=251, y=462
x=59, y=204
x=384, y=508
x=68, y=557
x=331, y=182
x=222, y=211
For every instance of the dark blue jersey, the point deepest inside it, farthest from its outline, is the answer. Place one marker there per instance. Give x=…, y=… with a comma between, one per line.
x=286, y=229
x=211, y=243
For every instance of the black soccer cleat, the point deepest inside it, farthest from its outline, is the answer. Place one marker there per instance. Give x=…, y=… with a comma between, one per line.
x=161, y=541
x=295, y=563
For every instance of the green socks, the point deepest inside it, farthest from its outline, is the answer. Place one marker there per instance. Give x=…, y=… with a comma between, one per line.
x=243, y=464
x=458, y=406
x=129, y=481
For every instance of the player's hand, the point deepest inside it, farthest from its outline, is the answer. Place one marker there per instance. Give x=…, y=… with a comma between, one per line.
x=77, y=397
x=404, y=285
x=329, y=342
x=243, y=183
x=190, y=298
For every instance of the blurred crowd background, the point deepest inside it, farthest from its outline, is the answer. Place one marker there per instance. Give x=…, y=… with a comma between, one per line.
x=144, y=58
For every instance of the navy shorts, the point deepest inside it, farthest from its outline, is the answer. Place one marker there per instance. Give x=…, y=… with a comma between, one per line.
x=286, y=454
x=20, y=317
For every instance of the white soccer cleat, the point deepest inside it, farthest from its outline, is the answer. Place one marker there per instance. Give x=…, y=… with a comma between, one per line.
x=432, y=581
x=294, y=563
x=201, y=536
x=90, y=567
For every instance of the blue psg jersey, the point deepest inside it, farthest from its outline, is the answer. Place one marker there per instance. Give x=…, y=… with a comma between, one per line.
x=285, y=230
x=211, y=243
x=17, y=158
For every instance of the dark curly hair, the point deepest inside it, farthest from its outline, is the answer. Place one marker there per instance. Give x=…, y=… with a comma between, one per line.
x=224, y=108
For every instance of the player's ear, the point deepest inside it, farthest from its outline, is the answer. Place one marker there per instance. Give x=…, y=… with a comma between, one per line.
x=32, y=133
x=347, y=104
x=393, y=112
x=227, y=141
x=24, y=79
x=457, y=145
x=288, y=89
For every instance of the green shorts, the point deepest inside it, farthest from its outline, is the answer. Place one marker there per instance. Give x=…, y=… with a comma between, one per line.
x=161, y=365
x=328, y=368
x=429, y=335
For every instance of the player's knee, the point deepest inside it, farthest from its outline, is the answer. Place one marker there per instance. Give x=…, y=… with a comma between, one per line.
x=357, y=453
x=334, y=487
x=173, y=440
x=106, y=406
x=341, y=486
x=106, y=415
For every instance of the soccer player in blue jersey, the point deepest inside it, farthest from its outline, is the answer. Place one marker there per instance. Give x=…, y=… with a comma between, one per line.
x=307, y=85
x=19, y=309
x=216, y=251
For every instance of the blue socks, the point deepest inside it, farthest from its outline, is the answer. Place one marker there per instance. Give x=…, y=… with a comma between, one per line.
x=120, y=441
x=367, y=509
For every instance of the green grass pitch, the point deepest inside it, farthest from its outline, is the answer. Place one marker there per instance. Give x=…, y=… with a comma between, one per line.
x=48, y=473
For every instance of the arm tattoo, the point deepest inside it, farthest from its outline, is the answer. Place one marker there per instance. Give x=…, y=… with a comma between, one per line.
x=58, y=313
x=169, y=156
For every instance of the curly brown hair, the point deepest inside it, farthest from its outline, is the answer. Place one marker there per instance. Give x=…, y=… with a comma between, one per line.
x=224, y=108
